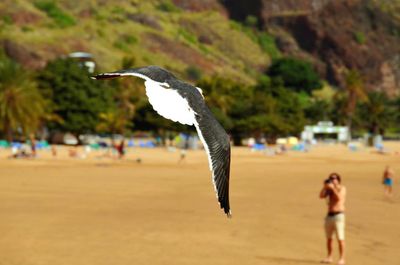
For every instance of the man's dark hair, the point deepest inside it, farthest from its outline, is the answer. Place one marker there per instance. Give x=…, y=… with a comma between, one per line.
x=335, y=175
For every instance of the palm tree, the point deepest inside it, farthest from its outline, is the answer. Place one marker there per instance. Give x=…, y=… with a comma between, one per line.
x=113, y=121
x=376, y=114
x=117, y=120
x=355, y=92
x=22, y=106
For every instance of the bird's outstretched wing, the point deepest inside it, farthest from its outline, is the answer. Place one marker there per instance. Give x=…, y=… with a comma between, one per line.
x=214, y=138
x=153, y=73
x=217, y=145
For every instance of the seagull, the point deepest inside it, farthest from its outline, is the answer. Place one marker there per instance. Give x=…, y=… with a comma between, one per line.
x=181, y=102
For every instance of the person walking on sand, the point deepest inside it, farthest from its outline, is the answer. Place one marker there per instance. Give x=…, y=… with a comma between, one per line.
x=335, y=193
x=387, y=180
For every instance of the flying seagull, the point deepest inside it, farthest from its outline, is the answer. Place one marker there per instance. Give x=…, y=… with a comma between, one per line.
x=181, y=102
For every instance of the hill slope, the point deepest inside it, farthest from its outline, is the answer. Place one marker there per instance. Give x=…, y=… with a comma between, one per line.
x=197, y=37
x=154, y=32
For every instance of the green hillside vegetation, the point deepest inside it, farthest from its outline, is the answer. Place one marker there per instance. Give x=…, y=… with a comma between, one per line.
x=151, y=32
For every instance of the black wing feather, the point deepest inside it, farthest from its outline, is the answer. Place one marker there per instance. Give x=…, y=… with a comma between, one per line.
x=214, y=138
x=219, y=150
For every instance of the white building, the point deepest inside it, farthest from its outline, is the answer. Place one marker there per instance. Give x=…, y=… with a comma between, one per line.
x=325, y=129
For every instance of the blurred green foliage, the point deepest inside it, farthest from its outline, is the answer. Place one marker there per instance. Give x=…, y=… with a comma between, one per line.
x=267, y=43
x=265, y=109
x=191, y=38
x=360, y=37
x=61, y=18
x=375, y=115
x=269, y=108
x=296, y=74
x=22, y=106
x=251, y=21
x=167, y=6
x=7, y=19
x=193, y=73
x=125, y=42
x=76, y=98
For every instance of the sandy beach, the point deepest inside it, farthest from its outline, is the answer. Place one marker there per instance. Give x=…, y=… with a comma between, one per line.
x=98, y=210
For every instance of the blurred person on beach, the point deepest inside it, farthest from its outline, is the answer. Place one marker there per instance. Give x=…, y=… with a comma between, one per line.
x=120, y=148
x=73, y=152
x=387, y=180
x=335, y=193
x=182, y=156
x=33, y=146
x=184, y=151
x=54, y=150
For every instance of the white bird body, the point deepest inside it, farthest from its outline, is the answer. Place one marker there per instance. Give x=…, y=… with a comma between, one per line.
x=168, y=103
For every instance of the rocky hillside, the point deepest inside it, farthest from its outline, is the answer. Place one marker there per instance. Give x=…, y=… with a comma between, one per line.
x=201, y=37
x=335, y=34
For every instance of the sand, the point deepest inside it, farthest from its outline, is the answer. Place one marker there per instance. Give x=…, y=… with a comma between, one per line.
x=102, y=211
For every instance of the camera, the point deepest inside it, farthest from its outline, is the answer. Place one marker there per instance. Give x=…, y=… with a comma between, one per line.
x=328, y=181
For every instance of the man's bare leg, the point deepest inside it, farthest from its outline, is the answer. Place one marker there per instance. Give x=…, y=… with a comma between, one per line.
x=329, y=245
x=341, y=252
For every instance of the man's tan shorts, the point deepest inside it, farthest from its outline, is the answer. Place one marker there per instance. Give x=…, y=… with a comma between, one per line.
x=335, y=224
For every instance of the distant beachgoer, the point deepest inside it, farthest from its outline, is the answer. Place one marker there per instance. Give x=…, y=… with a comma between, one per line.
x=120, y=149
x=184, y=151
x=281, y=150
x=387, y=180
x=73, y=152
x=335, y=192
x=54, y=150
x=33, y=146
x=183, y=156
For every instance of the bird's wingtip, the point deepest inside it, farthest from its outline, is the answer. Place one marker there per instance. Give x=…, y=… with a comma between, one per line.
x=229, y=214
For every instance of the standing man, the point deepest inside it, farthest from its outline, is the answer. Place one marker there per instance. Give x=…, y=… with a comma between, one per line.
x=335, y=193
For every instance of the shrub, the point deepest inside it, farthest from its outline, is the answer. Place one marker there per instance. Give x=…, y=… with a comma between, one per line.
x=360, y=37
x=61, y=18
x=7, y=19
x=167, y=6
x=296, y=74
x=128, y=62
x=124, y=42
x=268, y=45
x=76, y=98
x=188, y=36
x=193, y=73
x=251, y=21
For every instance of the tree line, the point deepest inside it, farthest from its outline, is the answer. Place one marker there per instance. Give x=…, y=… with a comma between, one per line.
x=288, y=95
